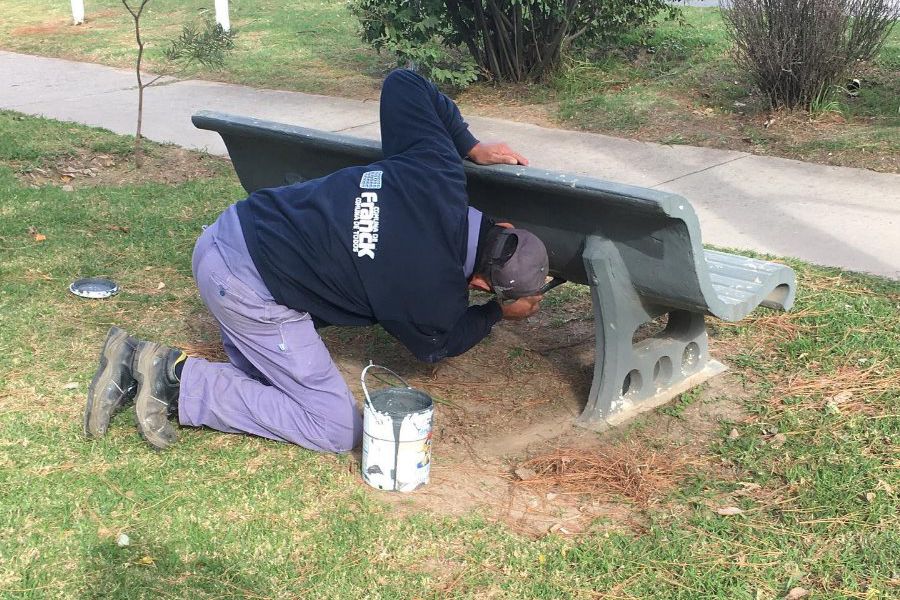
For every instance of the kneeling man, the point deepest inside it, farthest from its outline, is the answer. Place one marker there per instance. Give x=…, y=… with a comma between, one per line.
x=393, y=243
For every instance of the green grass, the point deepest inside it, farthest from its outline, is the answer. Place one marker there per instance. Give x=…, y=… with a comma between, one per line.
x=234, y=516
x=683, y=87
x=677, y=407
x=625, y=111
x=678, y=53
x=308, y=46
x=693, y=57
x=680, y=87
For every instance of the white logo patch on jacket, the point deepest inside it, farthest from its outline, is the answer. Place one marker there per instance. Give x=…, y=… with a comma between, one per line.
x=371, y=180
x=365, y=224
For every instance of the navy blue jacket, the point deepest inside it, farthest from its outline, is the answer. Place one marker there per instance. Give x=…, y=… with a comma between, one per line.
x=384, y=243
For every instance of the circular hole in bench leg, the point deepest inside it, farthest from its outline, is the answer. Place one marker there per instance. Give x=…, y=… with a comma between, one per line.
x=633, y=383
x=690, y=360
x=662, y=371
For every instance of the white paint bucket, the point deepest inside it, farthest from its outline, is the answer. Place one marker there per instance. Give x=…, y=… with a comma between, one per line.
x=396, y=451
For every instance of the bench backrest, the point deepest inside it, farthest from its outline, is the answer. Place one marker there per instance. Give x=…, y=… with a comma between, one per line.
x=657, y=233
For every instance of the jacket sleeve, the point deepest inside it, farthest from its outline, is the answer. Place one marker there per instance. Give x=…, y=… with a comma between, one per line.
x=471, y=328
x=415, y=115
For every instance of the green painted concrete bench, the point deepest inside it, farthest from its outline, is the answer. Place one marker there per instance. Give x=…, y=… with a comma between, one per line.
x=638, y=249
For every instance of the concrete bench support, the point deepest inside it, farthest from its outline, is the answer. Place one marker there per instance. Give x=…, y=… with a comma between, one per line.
x=638, y=249
x=633, y=377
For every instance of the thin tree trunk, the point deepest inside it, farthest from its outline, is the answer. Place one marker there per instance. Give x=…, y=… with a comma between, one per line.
x=537, y=50
x=552, y=49
x=136, y=16
x=520, y=57
x=138, y=147
x=469, y=36
x=493, y=62
x=503, y=41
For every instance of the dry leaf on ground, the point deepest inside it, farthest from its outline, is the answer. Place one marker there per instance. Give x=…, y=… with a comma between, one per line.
x=729, y=511
x=35, y=234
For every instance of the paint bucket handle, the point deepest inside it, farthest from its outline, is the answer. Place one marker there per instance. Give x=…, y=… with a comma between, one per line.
x=362, y=379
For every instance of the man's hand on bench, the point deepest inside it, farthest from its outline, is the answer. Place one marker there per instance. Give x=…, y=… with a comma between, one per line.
x=521, y=308
x=495, y=154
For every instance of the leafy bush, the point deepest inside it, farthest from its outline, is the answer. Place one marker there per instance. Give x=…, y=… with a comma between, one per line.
x=453, y=41
x=416, y=34
x=610, y=20
x=796, y=50
x=207, y=46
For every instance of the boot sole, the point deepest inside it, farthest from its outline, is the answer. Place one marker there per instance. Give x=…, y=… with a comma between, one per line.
x=101, y=378
x=143, y=365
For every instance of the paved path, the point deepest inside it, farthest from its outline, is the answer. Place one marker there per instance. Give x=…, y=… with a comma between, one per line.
x=827, y=215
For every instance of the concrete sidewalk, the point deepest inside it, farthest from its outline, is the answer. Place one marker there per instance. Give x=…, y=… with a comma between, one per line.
x=834, y=216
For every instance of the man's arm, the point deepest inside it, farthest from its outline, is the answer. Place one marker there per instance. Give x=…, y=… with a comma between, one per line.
x=415, y=115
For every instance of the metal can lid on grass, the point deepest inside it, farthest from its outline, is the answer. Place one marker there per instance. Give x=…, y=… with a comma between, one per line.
x=94, y=288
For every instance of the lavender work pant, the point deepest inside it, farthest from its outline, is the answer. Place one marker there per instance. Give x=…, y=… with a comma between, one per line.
x=280, y=382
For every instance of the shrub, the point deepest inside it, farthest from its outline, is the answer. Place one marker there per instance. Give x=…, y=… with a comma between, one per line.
x=796, y=50
x=207, y=45
x=416, y=34
x=454, y=41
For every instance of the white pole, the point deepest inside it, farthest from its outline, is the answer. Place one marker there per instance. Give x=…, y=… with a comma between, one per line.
x=222, y=14
x=78, y=11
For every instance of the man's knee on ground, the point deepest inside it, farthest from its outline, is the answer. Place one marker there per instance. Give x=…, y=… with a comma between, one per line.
x=344, y=430
x=345, y=441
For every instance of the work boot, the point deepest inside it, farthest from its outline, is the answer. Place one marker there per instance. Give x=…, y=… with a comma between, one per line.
x=113, y=386
x=154, y=368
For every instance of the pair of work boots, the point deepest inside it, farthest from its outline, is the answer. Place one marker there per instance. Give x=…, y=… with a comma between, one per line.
x=143, y=372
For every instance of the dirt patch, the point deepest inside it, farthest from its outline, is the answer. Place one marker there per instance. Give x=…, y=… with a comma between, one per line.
x=543, y=115
x=505, y=102
x=86, y=168
x=94, y=20
x=510, y=404
x=518, y=477
x=51, y=27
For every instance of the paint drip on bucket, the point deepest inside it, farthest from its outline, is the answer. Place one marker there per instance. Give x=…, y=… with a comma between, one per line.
x=397, y=422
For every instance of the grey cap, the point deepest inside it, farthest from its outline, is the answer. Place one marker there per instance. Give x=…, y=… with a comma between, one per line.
x=518, y=264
